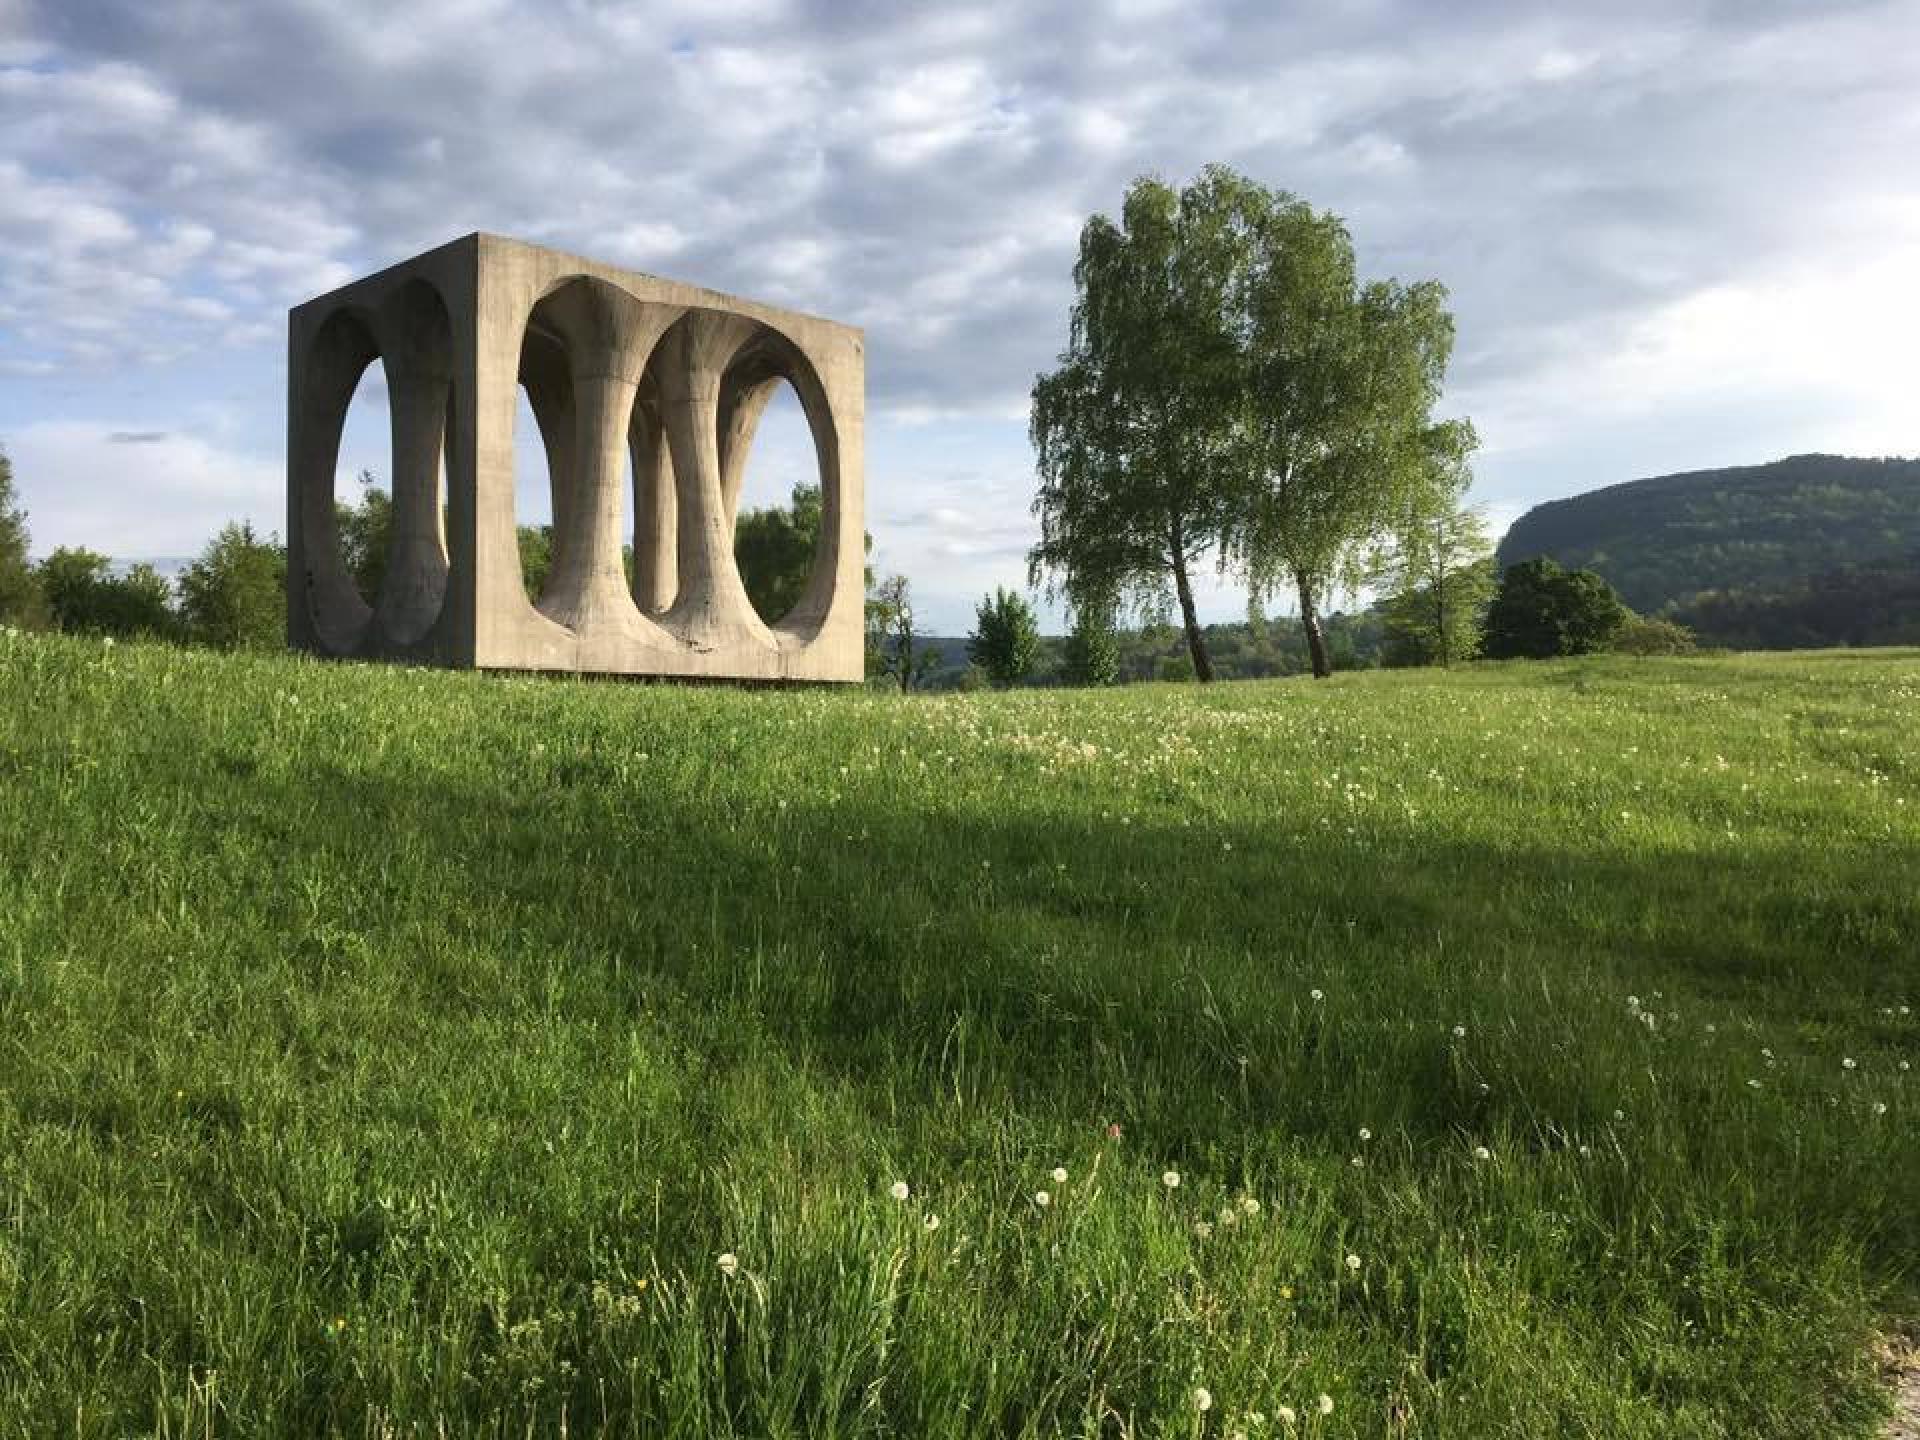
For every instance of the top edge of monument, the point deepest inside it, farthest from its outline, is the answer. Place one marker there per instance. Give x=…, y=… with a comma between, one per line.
x=488, y=246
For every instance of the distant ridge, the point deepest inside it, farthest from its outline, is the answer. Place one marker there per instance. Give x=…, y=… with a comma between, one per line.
x=1701, y=543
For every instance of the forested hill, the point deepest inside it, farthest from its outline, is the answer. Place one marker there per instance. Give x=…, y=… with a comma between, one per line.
x=1747, y=553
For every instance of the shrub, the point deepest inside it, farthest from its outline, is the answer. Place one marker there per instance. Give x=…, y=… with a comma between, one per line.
x=1651, y=635
x=234, y=596
x=1541, y=610
x=1091, y=655
x=20, y=599
x=1006, y=639
x=85, y=596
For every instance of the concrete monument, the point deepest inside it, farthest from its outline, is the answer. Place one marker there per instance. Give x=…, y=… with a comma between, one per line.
x=618, y=367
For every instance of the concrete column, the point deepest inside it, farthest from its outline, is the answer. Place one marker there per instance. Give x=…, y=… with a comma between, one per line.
x=549, y=386
x=711, y=609
x=416, y=344
x=324, y=609
x=416, y=582
x=609, y=336
x=743, y=401
x=656, y=549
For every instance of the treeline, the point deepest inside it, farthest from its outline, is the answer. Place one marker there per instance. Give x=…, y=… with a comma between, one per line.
x=1849, y=605
x=1534, y=610
x=233, y=594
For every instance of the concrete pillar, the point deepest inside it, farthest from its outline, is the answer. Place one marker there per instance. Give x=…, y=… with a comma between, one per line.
x=549, y=387
x=743, y=400
x=711, y=610
x=656, y=549
x=324, y=370
x=609, y=336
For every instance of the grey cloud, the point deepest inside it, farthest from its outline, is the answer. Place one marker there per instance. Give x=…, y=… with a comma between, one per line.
x=136, y=437
x=924, y=174
x=180, y=174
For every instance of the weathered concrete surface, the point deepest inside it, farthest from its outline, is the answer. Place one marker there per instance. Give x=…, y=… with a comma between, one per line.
x=621, y=369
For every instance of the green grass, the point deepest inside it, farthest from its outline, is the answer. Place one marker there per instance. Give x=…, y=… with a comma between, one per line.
x=396, y=1053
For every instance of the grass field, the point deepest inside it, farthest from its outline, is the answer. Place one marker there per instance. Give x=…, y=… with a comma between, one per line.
x=387, y=1052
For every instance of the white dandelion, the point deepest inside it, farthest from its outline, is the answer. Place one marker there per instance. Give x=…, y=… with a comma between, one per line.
x=1202, y=1398
x=729, y=1264
x=1171, y=1179
x=1059, y=1174
x=899, y=1190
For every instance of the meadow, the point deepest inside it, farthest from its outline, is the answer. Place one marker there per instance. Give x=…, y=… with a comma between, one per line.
x=1517, y=1051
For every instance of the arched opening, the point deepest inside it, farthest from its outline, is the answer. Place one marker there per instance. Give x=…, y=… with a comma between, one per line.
x=777, y=512
x=363, y=483
x=532, y=497
x=779, y=458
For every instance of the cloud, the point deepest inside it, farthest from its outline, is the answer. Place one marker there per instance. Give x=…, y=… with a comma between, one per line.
x=134, y=494
x=1656, y=221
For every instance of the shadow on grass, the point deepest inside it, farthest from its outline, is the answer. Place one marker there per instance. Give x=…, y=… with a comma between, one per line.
x=1068, y=973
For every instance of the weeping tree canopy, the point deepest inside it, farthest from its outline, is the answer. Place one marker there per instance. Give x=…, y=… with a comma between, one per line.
x=1342, y=447
x=1230, y=386
x=1135, y=433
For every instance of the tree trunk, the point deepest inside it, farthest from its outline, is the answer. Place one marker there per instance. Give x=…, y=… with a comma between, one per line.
x=1196, y=642
x=1310, y=622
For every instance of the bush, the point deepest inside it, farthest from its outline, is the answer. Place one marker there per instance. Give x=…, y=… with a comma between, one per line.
x=1091, y=655
x=234, y=596
x=84, y=596
x=1651, y=635
x=1006, y=639
x=20, y=600
x=1541, y=610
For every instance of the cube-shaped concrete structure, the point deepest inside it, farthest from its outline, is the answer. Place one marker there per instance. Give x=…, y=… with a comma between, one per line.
x=619, y=368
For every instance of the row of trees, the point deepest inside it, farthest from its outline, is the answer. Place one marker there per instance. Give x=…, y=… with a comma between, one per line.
x=1231, y=388
x=233, y=595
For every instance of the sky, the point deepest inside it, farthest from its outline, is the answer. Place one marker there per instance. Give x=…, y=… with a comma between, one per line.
x=1676, y=235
